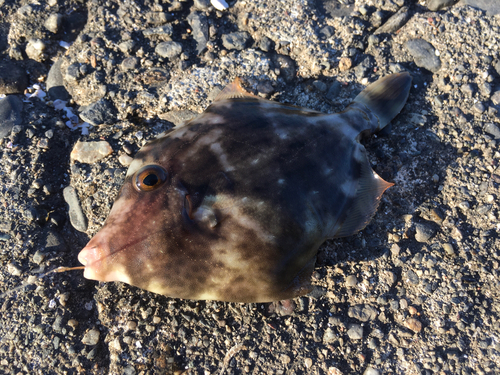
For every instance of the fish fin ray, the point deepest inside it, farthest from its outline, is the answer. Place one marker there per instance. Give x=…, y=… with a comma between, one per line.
x=233, y=91
x=365, y=203
x=301, y=283
x=386, y=97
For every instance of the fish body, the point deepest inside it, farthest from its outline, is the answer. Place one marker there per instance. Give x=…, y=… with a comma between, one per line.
x=234, y=205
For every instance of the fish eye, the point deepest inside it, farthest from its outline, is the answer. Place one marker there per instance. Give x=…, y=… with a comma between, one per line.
x=150, y=178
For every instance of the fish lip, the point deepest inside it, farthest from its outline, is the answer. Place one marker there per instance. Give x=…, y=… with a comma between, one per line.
x=82, y=256
x=90, y=257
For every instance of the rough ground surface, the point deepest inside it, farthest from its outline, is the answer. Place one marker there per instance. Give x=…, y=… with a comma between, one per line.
x=416, y=292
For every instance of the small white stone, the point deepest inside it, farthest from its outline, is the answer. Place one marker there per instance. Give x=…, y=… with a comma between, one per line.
x=125, y=160
x=64, y=44
x=90, y=152
x=219, y=4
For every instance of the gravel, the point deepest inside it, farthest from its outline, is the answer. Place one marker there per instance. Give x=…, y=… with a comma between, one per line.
x=415, y=292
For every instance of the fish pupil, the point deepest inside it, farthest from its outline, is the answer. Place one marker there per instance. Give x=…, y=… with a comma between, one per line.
x=150, y=180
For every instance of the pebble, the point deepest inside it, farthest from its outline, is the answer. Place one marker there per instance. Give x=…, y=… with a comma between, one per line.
x=373, y=40
x=424, y=54
x=237, y=40
x=13, y=78
x=351, y=281
x=345, y=63
x=395, y=249
x=91, y=337
x=202, y=4
x=98, y=113
x=55, y=82
x=125, y=160
x=130, y=63
x=35, y=48
x=266, y=44
x=329, y=336
x=158, y=18
x=492, y=129
x=53, y=22
x=320, y=85
x=448, y=249
x=199, y=25
x=334, y=90
x=479, y=107
x=131, y=325
x=355, y=332
x=395, y=22
x=308, y=363
x=371, y=371
x=495, y=98
x=169, y=50
x=414, y=324
x=129, y=370
x=362, y=313
x=38, y=257
x=423, y=232
x=76, y=215
x=467, y=89
x=90, y=152
x=10, y=114
x=53, y=242
x=160, y=31
x=287, y=67
x=73, y=72
x=412, y=277
x=128, y=46
x=327, y=32
x=14, y=270
x=403, y=304
x=219, y=4
x=285, y=359
x=436, y=5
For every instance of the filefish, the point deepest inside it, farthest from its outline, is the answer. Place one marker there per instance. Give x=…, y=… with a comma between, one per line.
x=233, y=205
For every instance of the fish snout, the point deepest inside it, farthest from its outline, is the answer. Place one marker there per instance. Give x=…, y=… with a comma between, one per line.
x=90, y=256
x=95, y=258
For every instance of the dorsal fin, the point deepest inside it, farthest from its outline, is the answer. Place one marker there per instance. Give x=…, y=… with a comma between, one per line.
x=234, y=90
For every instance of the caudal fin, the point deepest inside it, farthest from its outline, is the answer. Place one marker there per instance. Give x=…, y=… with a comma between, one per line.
x=386, y=97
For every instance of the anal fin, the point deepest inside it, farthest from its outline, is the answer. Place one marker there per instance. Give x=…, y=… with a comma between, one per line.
x=365, y=203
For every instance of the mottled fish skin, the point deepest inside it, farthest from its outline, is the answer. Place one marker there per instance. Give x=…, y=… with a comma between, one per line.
x=252, y=189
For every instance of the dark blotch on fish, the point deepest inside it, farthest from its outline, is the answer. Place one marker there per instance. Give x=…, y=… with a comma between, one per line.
x=234, y=205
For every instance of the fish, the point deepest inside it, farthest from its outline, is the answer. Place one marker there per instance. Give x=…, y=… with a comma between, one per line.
x=234, y=205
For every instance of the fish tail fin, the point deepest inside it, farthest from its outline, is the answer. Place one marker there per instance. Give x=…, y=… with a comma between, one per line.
x=386, y=97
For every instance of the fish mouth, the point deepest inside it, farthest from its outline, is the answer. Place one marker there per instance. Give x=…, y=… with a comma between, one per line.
x=95, y=258
x=91, y=258
x=108, y=261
